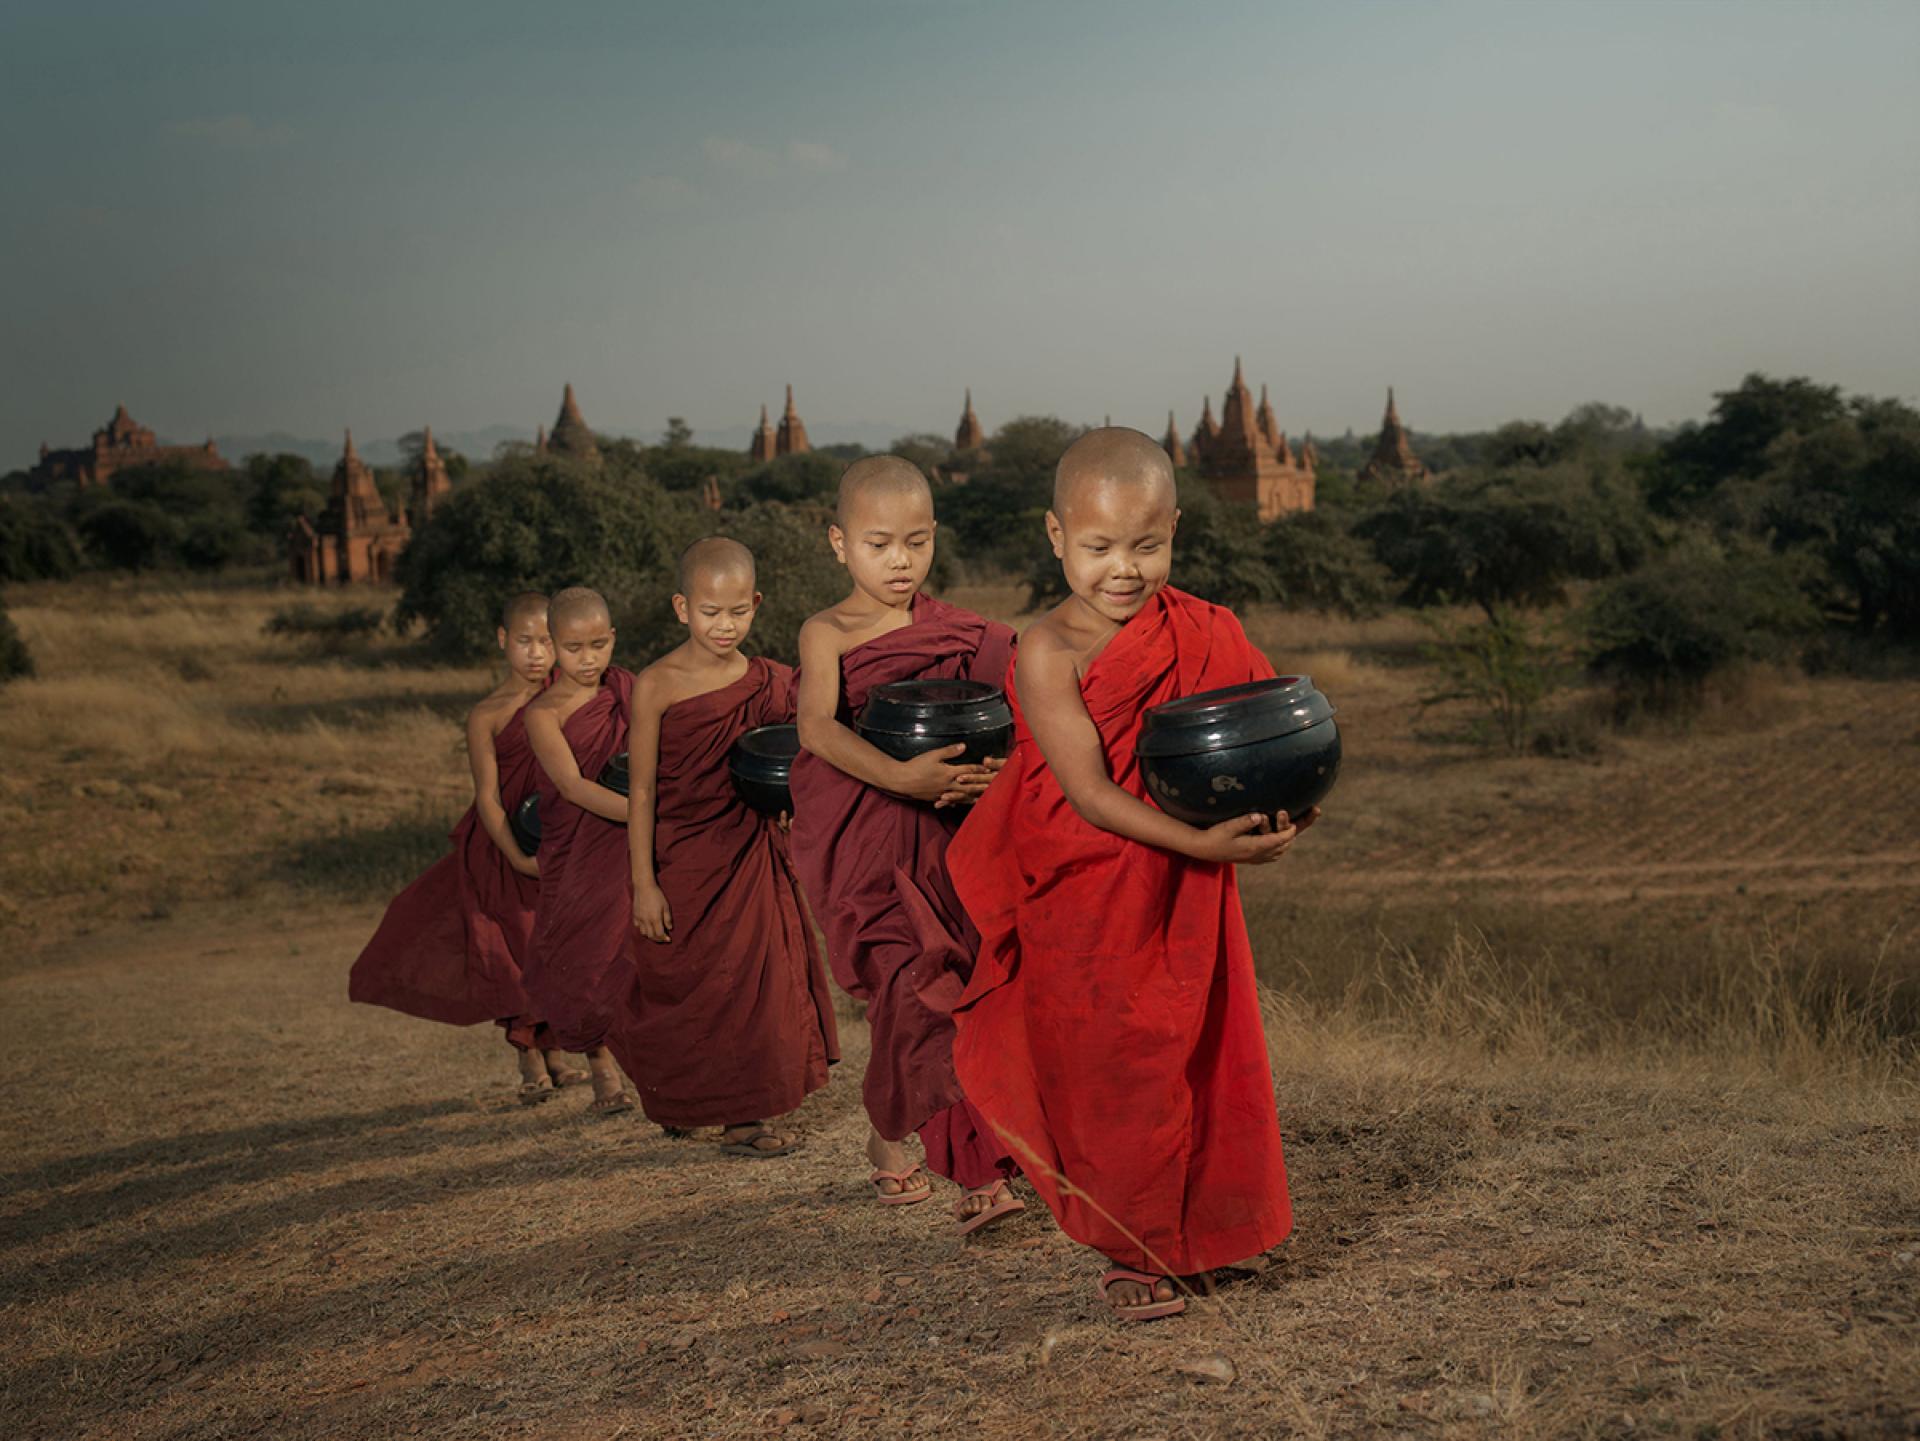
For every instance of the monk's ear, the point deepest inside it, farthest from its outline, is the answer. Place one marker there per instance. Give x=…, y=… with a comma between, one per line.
x=1057, y=534
x=1176, y=523
x=500, y=637
x=837, y=538
x=680, y=607
x=757, y=598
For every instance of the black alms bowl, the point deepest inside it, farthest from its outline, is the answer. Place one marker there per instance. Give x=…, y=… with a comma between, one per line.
x=761, y=763
x=1267, y=746
x=524, y=822
x=909, y=717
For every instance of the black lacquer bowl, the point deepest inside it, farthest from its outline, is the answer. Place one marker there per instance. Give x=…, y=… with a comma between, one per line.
x=760, y=764
x=525, y=820
x=1267, y=746
x=909, y=717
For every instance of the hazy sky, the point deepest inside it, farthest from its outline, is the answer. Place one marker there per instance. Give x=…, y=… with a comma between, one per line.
x=258, y=216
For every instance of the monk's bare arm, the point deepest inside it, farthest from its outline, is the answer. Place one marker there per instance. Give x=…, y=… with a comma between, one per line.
x=486, y=790
x=556, y=759
x=817, y=716
x=1049, y=688
x=651, y=915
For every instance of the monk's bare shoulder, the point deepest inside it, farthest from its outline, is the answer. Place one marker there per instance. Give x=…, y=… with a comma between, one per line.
x=828, y=634
x=491, y=713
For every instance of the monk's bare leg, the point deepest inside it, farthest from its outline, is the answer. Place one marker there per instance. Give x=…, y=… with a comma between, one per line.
x=755, y=1138
x=563, y=1072
x=535, y=1084
x=610, y=1091
x=903, y=1177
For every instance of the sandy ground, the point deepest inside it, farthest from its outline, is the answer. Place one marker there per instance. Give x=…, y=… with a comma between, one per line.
x=254, y=1210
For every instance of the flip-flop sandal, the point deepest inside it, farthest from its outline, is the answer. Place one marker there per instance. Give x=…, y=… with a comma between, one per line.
x=902, y=1197
x=745, y=1146
x=1152, y=1310
x=1005, y=1204
x=532, y=1093
x=613, y=1105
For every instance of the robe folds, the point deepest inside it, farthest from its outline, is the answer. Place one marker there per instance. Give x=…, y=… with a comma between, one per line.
x=1111, y=1032
x=874, y=868
x=731, y=1019
x=581, y=965
x=452, y=945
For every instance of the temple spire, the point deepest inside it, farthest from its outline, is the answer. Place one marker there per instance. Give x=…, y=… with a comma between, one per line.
x=791, y=439
x=970, y=434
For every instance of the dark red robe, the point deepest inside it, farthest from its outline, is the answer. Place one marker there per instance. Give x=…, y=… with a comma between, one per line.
x=581, y=965
x=451, y=945
x=1111, y=1032
x=730, y=1020
x=874, y=869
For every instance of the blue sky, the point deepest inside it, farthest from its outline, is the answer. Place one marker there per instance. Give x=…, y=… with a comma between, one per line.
x=248, y=217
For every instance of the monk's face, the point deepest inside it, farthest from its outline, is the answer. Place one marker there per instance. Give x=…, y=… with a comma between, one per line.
x=1115, y=543
x=885, y=540
x=717, y=608
x=527, y=645
x=583, y=648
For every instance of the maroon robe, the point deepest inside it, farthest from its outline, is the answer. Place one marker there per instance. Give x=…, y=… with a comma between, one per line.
x=1112, y=1026
x=874, y=869
x=451, y=945
x=730, y=1020
x=582, y=960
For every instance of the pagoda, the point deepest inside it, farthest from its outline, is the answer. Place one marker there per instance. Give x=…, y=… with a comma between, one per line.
x=356, y=538
x=1170, y=442
x=1205, y=432
x=764, y=440
x=970, y=435
x=121, y=444
x=1246, y=458
x=791, y=438
x=571, y=436
x=1393, y=463
x=430, y=482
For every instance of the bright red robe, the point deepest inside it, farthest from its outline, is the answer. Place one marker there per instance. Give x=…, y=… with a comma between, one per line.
x=731, y=1019
x=1112, y=1031
x=581, y=965
x=451, y=945
x=874, y=869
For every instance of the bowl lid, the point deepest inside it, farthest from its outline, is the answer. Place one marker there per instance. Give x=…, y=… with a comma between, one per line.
x=767, y=743
x=1232, y=716
x=935, y=707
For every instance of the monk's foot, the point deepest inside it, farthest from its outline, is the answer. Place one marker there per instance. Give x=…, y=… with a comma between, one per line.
x=535, y=1084
x=610, y=1093
x=896, y=1178
x=757, y=1141
x=563, y=1072
x=983, y=1206
x=1140, y=1295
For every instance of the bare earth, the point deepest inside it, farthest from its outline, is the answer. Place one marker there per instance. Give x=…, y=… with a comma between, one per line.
x=233, y=1205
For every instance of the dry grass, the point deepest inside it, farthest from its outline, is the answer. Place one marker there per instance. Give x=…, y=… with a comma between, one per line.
x=1597, y=1081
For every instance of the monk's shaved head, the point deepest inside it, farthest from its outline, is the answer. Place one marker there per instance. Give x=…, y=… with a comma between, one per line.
x=876, y=476
x=575, y=604
x=528, y=603
x=1117, y=457
x=717, y=555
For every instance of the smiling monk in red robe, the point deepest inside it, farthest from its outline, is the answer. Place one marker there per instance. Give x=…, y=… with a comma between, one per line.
x=451, y=946
x=1111, y=1031
x=730, y=1022
x=870, y=836
x=581, y=968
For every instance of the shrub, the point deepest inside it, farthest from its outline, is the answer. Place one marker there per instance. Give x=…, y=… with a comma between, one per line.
x=331, y=632
x=1505, y=665
x=128, y=534
x=16, y=661
x=1314, y=563
x=1659, y=634
x=35, y=543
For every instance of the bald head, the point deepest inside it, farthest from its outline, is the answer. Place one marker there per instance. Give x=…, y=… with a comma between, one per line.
x=717, y=555
x=576, y=604
x=877, y=477
x=1115, y=459
x=528, y=605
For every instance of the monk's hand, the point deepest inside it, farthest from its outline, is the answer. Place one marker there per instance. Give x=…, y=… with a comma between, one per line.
x=784, y=821
x=1249, y=840
x=969, y=787
x=1300, y=823
x=931, y=775
x=525, y=864
x=652, y=916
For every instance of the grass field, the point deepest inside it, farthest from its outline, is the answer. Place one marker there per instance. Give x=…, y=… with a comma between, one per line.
x=1597, y=1078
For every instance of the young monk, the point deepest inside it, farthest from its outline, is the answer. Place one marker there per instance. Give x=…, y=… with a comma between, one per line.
x=870, y=835
x=1111, y=1032
x=730, y=1022
x=452, y=944
x=582, y=961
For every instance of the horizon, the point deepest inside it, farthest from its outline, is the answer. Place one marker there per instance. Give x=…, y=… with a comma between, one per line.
x=247, y=223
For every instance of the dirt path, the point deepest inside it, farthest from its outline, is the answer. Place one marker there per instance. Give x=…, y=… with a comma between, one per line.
x=233, y=1205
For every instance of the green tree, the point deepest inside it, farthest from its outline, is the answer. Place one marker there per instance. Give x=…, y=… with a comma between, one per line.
x=812, y=475
x=16, y=661
x=1314, y=563
x=1734, y=442
x=279, y=489
x=1506, y=665
x=35, y=542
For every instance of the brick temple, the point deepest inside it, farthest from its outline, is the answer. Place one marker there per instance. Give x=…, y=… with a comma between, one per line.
x=1245, y=456
x=358, y=537
x=571, y=436
x=121, y=444
x=1393, y=462
x=790, y=438
x=970, y=434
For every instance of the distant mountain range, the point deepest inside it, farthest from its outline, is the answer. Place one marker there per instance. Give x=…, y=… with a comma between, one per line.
x=480, y=444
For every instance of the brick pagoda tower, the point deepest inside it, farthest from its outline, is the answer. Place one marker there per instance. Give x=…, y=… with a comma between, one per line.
x=971, y=435
x=1248, y=461
x=571, y=436
x=356, y=538
x=1393, y=463
x=121, y=444
x=430, y=483
x=791, y=438
x=1170, y=442
x=1205, y=432
x=764, y=440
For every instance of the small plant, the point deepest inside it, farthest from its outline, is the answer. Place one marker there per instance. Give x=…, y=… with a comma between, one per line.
x=1506, y=665
x=330, y=632
x=15, y=660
